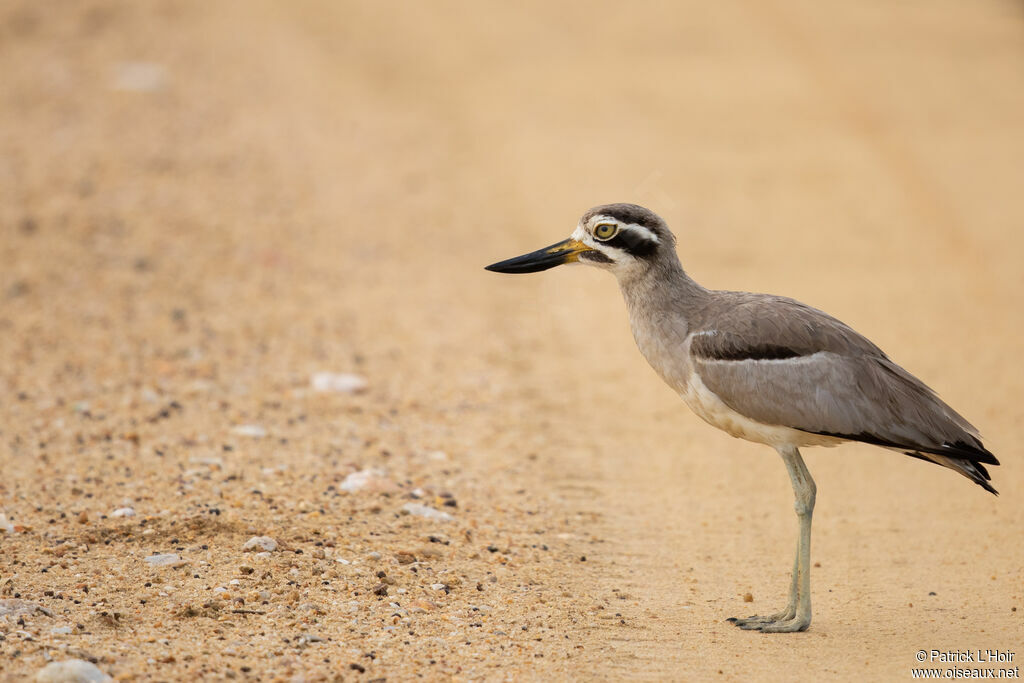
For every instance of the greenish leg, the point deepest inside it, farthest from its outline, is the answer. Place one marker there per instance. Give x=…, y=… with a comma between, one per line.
x=797, y=614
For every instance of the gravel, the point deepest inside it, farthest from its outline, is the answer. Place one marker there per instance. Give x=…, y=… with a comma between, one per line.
x=254, y=431
x=71, y=671
x=164, y=560
x=420, y=510
x=337, y=382
x=264, y=543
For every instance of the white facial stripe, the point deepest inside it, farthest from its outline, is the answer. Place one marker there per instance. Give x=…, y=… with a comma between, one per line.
x=646, y=232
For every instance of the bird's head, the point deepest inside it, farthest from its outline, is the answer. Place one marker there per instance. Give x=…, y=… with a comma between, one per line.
x=624, y=238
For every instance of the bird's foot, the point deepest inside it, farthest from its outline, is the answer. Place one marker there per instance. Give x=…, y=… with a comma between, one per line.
x=786, y=621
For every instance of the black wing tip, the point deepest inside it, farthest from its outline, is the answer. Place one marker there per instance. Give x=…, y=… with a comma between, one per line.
x=974, y=452
x=973, y=470
x=970, y=458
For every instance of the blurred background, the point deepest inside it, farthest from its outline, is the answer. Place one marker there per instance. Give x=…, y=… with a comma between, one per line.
x=211, y=201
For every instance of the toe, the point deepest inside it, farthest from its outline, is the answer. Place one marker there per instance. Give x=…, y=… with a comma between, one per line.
x=788, y=626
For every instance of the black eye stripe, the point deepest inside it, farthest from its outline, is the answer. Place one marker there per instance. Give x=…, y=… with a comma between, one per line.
x=634, y=243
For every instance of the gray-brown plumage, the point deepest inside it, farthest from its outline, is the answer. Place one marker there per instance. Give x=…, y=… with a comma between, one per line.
x=829, y=381
x=764, y=368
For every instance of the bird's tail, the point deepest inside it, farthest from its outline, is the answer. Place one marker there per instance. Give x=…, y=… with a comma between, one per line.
x=965, y=460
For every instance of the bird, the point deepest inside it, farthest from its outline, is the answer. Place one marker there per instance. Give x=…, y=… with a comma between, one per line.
x=764, y=368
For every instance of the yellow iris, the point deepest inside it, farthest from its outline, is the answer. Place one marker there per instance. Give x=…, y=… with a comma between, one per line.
x=605, y=231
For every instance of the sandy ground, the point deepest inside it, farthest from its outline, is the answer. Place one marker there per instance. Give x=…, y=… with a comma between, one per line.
x=203, y=204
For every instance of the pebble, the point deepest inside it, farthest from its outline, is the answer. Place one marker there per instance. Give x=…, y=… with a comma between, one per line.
x=5, y=524
x=426, y=511
x=437, y=586
x=71, y=671
x=166, y=560
x=61, y=630
x=208, y=461
x=419, y=606
x=748, y=597
x=17, y=608
x=255, y=431
x=357, y=481
x=265, y=543
x=337, y=382
x=123, y=512
x=139, y=76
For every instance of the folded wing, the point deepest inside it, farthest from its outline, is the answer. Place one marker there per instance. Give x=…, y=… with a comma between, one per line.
x=780, y=362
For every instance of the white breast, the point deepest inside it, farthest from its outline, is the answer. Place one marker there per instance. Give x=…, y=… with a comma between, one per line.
x=672, y=362
x=713, y=410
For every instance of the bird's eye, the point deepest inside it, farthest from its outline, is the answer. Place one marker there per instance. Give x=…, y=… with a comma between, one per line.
x=605, y=231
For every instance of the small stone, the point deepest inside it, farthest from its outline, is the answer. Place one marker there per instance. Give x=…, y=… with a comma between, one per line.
x=61, y=630
x=405, y=557
x=748, y=597
x=246, y=570
x=17, y=608
x=380, y=589
x=438, y=586
x=337, y=382
x=371, y=479
x=206, y=460
x=5, y=524
x=139, y=77
x=254, y=431
x=166, y=560
x=264, y=543
x=427, y=512
x=417, y=606
x=123, y=512
x=71, y=671
x=83, y=517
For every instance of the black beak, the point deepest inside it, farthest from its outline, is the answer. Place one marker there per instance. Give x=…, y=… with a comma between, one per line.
x=542, y=259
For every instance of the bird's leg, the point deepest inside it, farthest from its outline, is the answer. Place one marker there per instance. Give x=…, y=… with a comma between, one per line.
x=797, y=614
